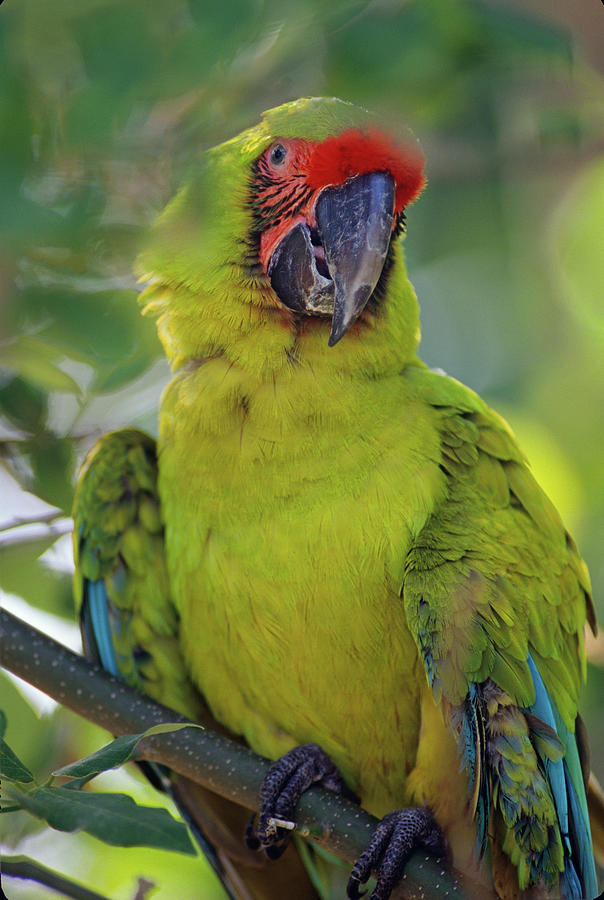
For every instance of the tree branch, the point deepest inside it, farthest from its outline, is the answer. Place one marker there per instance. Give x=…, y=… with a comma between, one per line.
x=217, y=763
x=22, y=867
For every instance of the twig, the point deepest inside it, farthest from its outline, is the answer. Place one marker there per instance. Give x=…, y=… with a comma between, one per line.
x=38, y=519
x=10, y=537
x=22, y=867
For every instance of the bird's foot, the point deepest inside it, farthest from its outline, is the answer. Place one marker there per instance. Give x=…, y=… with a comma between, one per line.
x=284, y=784
x=393, y=841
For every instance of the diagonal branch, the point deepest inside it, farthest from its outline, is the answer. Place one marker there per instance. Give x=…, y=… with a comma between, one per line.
x=217, y=763
x=22, y=867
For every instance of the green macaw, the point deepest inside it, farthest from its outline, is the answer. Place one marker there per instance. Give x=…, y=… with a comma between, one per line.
x=332, y=544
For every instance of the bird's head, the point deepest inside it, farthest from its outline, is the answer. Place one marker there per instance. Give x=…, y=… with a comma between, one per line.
x=325, y=212
x=294, y=220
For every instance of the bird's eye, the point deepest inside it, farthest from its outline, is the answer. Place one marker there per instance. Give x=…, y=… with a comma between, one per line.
x=278, y=154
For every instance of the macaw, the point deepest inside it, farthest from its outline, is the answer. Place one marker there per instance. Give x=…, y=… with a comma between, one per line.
x=337, y=553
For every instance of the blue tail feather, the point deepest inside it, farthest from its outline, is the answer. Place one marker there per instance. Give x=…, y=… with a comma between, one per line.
x=566, y=783
x=96, y=609
x=581, y=836
x=542, y=709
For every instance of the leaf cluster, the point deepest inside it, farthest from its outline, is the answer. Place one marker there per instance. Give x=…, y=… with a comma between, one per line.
x=111, y=817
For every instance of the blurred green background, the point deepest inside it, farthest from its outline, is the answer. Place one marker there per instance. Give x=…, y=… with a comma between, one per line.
x=104, y=104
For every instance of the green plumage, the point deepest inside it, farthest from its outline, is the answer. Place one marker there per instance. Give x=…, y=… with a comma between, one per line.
x=353, y=543
x=118, y=539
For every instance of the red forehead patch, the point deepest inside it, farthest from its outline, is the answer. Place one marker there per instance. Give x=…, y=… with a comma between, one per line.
x=336, y=159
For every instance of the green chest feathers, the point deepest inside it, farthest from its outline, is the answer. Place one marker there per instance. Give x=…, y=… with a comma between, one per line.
x=286, y=553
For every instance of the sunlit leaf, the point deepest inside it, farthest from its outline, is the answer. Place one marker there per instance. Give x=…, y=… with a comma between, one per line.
x=37, y=361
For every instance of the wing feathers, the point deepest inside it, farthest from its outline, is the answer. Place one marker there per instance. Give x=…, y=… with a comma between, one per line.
x=496, y=597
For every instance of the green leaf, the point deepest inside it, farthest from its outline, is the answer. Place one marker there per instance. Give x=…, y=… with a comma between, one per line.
x=76, y=784
x=52, y=461
x=22, y=573
x=25, y=404
x=11, y=766
x=113, y=818
x=36, y=361
x=102, y=327
x=31, y=737
x=2, y=723
x=117, y=752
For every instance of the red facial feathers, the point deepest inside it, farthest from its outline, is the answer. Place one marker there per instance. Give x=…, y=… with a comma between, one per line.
x=353, y=152
x=292, y=172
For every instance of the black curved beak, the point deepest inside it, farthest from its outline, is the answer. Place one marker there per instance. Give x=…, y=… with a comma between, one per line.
x=334, y=270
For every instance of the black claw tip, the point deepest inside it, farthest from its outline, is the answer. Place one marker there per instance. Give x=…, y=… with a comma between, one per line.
x=391, y=844
x=274, y=851
x=352, y=888
x=250, y=837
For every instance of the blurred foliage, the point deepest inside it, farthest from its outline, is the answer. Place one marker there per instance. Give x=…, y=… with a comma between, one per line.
x=105, y=105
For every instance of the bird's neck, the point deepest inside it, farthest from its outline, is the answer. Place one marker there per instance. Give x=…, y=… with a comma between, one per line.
x=243, y=324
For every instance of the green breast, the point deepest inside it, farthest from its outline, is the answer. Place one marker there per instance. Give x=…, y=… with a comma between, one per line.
x=289, y=510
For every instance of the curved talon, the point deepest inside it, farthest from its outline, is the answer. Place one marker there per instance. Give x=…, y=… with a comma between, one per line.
x=284, y=784
x=274, y=851
x=352, y=888
x=278, y=838
x=392, y=843
x=252, y=842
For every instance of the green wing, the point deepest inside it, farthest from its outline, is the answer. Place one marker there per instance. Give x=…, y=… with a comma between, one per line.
x=129, y=623
x=496, y=597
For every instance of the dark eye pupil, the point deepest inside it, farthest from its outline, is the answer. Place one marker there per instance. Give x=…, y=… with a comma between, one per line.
x=278, y=154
